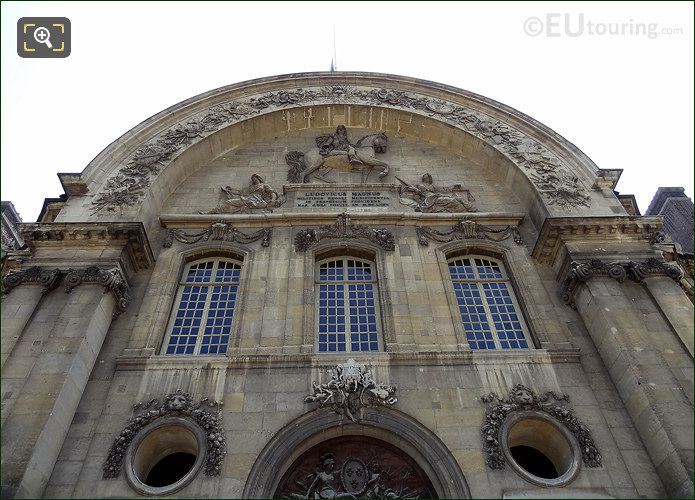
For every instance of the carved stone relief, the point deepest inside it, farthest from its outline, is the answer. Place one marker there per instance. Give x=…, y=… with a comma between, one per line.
x=206, y=413
x=581, y=272
x=466, y=229
x=259, y=196
x=111, y=279
x=218, y=231
x=426, y=197
x=350, y=389
x=360, y=155
x=522, y=398
x=343, y=228
x=354, y=467
x=127, y=186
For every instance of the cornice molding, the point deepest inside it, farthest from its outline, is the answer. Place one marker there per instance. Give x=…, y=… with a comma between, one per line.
x=558, y=230
x=130, y=235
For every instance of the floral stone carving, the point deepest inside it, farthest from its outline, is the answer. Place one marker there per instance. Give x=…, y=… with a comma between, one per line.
x=350, y=389
x=218, y=231
x=545, y=170
x=48, y=278
x=343, y=228
x=206, y=413
x=466, y=229
x=522, y=398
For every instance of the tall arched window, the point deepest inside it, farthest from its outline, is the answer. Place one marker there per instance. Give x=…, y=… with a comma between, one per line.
x=348, y=308
x=201, y=323
x=489, y=311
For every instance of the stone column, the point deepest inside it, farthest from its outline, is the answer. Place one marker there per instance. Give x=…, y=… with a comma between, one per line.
x=17, y=307
x=675, y=306
x=643, y=356
x=53, y=361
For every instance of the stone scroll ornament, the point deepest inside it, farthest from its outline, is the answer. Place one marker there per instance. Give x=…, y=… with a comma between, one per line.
x=343, y=228
x=219, y=231
x=466, y=229
x=425, y=197
x=129, y=184
x=259, y=196
x=581, y=272
x=360, y=155
x=111, y=279
x=48, y=278
x=206, y=413
x=350, y=389
x=522, y=398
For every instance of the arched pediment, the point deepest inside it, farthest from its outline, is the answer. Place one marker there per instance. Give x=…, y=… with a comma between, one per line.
x=132, y=178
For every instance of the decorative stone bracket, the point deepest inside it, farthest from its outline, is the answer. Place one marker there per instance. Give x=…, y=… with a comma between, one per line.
x=344, y=228
x=180, y=404
x=619, y=271
x=218, y=231
x=467, y=229
x=111, y=279
x=350, y=389
x=522, y=398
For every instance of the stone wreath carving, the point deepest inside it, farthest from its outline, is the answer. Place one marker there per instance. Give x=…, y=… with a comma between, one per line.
x=426, y=197
x=49, y=278
x=343, y=228
x=206, y=413
x=350, y=389
x=360, y=155
x=258, y=196
x=522, y=398
x=218, y=231
x=581, y=272
x=466, y=229
x=127, y=186
x=111, y=279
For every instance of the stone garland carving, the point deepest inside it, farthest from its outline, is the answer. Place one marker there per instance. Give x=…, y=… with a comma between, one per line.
x=619, y=271
x=350, y=389
x=466, y=229
x=258, y=196
x=206, y=413
x=218, y=231
x=129, y=184
x=49, y=278
x=523, y=398
x=359, y=155
x=111, y=279
x=343, y=228
x=426, y=197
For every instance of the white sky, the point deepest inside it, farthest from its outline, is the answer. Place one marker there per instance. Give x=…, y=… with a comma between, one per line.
x=625, y=100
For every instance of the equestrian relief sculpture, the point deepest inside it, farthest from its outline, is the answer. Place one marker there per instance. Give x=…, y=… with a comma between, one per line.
x=358, y=156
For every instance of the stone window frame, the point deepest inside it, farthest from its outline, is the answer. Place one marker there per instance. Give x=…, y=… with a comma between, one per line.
x=179, y=264
x=448, y=251
x=375, y=282
x=361, y=250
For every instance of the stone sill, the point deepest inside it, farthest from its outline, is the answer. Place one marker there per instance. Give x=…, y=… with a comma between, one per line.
x=145, y=360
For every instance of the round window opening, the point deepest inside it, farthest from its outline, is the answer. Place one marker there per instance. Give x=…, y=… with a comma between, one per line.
x=165, y=456
x=540, y=449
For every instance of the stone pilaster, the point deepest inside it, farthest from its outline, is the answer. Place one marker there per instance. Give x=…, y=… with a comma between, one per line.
x=644, y=356
x=51, y=364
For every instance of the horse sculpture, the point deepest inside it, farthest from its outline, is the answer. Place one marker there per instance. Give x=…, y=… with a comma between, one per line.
x=359, y=156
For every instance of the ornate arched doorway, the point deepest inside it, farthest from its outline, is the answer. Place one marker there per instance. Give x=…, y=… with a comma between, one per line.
x=355, y=466
x=396, y=456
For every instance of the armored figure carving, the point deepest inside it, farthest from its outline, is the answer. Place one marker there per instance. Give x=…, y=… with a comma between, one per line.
x=258, y=196
x=359, y=155
x=426, y=197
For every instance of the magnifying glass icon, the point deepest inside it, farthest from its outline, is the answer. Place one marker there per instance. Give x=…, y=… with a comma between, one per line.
x=42, y=35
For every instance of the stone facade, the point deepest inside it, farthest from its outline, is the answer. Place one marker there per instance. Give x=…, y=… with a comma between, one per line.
x=605, y=379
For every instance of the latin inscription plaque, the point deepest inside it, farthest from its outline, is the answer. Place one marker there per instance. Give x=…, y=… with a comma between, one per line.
x=342, y=199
